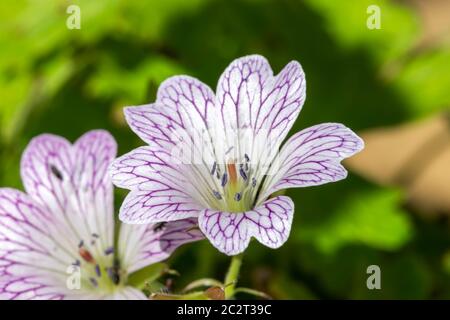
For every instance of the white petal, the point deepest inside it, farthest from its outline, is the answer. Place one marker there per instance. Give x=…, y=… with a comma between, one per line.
x=312, y=157
x=140, y=246
x=230, y=232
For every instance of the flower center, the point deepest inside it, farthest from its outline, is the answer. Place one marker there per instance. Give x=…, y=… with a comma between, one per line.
x=99, y=269
x=237, y=188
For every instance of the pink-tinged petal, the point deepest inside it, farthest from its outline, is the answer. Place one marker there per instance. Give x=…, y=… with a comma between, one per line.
x=93, y=154
x=140, y=246
x=157, y=202
x=32, y=261
x=240, y=93
x=144, y=165
x=180, y=123
x=182, y=111
x=46, y=169
x=230, y=232
x=72, y=185
x=29, y=288
x=283, y=102
x=312, y=157
x=160, y=188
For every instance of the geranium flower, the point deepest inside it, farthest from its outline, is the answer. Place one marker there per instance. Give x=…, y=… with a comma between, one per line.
x=65, y=224
x=238, y=131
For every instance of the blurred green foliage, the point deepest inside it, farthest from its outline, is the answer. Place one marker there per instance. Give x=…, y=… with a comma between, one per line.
x=63, y=81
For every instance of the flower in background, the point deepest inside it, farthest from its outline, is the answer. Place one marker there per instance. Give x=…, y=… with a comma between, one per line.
x=238, y=131
x=65, y=224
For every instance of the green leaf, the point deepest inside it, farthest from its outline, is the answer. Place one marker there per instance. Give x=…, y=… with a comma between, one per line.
x=374, y=219
x=424, y=83
x=149, y=274
x=347, y=22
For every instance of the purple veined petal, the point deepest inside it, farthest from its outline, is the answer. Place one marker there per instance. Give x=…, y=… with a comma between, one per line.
x=46, y=167
x=240, y=93
x=283, y=102
x=157, y=202
x=161, y=189
x=146, y=164
x=93, y=154
x=257, y=108
x=72, y=185
x=32, y=260
x=184, y=109
x=312, y=157
x=180, y=122
x=140, y=246
x=230, y=233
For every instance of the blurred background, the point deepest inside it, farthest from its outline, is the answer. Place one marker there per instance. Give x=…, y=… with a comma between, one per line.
x=391, y=85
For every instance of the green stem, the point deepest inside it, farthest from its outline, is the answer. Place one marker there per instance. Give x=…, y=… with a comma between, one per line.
x=232, y=276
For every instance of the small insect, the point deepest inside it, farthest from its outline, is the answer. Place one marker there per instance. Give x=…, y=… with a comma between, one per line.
x=114, y=272
x=56, y=172
x=159, y=226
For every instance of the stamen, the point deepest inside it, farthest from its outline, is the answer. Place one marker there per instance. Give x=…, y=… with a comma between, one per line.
x=237, y=196
x=228, y=151
x=217, y=195
x=243, y=174
x=213, y=168
x=109, y=251
x=247, y=159
x=224, y=180
x=95, y=235
x=253, y=182
x=97, y=270
x=80, y=244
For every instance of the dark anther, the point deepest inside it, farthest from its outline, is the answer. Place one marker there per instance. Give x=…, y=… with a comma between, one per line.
x=224, y=179
x=243, y=174
x=97, y=270
x=217, y=195
x=109, y=251
x=213, y=168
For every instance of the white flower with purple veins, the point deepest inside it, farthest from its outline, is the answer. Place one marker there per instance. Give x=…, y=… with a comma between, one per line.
x=64, y=226
x=230, y=188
